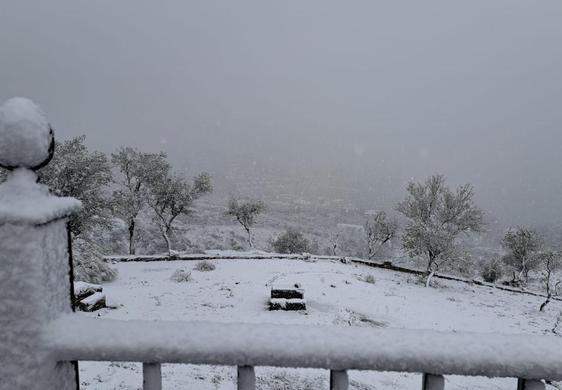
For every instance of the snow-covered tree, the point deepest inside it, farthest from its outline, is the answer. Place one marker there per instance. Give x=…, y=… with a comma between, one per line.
x=379, y=230
x=292, y=241
x=88, y=263
x=171, y=196
x=334, y=238
x=437, y=216
x=137, y=170
x=490, y=269
x=549, y=262
x=83, y=174
x=521, y=243
x=245, y=212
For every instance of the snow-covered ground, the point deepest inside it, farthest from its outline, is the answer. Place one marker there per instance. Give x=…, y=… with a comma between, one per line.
x=336, y=294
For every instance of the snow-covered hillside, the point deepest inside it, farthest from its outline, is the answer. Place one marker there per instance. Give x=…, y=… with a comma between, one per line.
x=337, y=294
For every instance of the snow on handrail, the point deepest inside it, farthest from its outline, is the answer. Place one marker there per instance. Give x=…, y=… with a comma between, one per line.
x=74, y=337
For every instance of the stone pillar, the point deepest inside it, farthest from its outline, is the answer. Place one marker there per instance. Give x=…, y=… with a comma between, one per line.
x=35, y=272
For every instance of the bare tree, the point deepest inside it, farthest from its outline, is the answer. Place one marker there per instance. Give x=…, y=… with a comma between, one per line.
x=379, y=230
x=83, y=174
x=521, y=243
x=334, y=239
x=172, y=196
x=437, y=216
x=245, y=212
x=137, y=171
x=550, y=262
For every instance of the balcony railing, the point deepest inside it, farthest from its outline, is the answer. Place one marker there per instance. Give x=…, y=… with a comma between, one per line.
x=532, y=359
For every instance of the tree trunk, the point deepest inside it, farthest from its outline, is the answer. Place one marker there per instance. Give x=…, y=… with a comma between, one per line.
x=250, y=242
x=526, y=275
x=372, y=252
x=430, y=271
x=548, y=293
x=429, y=278
x=167, y=239
x=543, y=305
x=132, y=236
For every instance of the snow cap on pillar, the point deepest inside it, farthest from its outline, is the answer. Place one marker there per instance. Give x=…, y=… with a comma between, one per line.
x=26, y=138
x=27, y=144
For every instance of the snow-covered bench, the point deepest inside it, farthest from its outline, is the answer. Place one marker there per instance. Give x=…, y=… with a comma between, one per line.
x=287, y=298
x=88, y=296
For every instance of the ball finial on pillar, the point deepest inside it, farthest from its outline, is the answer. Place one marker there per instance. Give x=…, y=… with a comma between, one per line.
x=26, y=138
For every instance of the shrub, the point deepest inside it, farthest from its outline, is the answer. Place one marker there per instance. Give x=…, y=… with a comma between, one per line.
x=88, y=264
x=521, y=243
x=291, y=241
x=491, y=270
x=205, y=266
x=181, y=275
x=370, y=279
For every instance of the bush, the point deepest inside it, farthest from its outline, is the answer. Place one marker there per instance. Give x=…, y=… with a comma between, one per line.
x=292, y=241
x=521, y=243
x=88, y=264
x=181, y=275
x=369, y=279
x=205, y=266
x=491, y=270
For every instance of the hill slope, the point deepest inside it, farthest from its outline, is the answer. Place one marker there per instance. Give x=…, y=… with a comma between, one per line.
x=336, y=293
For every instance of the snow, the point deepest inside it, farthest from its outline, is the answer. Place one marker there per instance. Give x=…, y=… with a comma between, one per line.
x=206, y=255
x=24, y=134
x=24, y=201
x=93, y=299
x=237, y=292
x=287, y=304
x=83, y=287
x=286, y=286
x=338, y=348
x=34, y=271
x=254, y=252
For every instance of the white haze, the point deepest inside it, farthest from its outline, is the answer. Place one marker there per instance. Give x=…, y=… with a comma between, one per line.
x=348, y=98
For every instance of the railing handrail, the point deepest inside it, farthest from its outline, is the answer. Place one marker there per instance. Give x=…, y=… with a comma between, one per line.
x=75, y=337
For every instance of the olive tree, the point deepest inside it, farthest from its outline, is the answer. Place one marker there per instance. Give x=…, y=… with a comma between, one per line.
x=521, y=243
x=549, y=262
x=83, y=174
x=245, y=212
x=291, y=241
x=379, y=230
x=171, y=196
x=436, y=216
x=136, y=171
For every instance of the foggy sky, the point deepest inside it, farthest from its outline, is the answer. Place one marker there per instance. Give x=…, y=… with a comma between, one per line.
x=359, y=96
